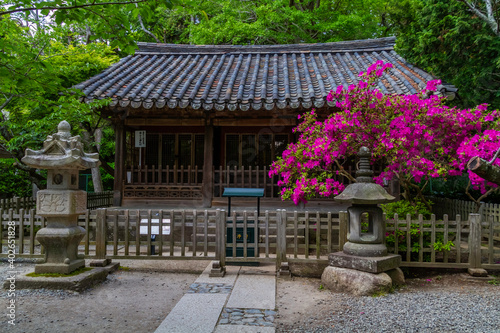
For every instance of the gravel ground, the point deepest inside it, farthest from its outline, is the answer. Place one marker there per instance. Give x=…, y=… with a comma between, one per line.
x=138, y=301
x=128, y=301
x=429, y=303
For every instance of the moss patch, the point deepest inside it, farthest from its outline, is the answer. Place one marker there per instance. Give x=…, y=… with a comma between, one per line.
x=77, y=272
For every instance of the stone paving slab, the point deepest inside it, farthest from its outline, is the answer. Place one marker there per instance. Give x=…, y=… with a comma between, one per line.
x=253, y=291
x=243, y=329
x=194, y=313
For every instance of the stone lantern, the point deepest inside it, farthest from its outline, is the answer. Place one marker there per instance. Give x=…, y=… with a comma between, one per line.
x=61, y=203
x=364, y=267
x=365, y=195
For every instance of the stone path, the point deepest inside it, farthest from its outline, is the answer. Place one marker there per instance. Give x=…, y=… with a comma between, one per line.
x=244, y=300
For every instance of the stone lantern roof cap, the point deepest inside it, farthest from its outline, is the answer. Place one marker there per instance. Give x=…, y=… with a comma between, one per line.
x=61, y=151
x=364, y=191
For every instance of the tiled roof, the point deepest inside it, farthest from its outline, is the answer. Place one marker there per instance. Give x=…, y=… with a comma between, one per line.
x=247, y=77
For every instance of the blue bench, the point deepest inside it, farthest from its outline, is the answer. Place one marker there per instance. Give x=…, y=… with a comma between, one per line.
x=243, y=192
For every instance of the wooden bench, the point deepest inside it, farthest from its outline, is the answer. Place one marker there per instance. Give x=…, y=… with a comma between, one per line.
x=243, y=192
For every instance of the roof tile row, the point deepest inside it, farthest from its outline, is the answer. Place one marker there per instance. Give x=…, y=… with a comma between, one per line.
x=244, y=77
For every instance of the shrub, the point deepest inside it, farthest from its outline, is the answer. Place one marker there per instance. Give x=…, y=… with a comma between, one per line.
x=402, y=208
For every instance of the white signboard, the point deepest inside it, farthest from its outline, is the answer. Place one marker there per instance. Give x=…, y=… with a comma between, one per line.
x=155, y=229
x=140, y=139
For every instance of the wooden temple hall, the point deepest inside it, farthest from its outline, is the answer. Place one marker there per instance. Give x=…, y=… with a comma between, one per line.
x=192, y=120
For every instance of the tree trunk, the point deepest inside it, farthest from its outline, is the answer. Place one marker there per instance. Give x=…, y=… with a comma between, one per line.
x=96, y=173
x=484, y=170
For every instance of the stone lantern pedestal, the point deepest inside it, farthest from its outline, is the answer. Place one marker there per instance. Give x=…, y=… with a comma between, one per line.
x=62, y=235
x=364, y=267
x=62, y=202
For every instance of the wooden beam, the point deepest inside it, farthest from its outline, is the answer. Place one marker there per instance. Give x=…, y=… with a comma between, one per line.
x=236, y=121
x=207, y=186
x=119, y=163
x=272, y=122
x=164, y=122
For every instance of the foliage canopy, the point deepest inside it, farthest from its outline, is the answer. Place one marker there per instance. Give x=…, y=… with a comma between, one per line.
x=447, y=39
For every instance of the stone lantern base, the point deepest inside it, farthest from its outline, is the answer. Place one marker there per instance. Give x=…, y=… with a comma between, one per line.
x=59, y=268
x=362, y=276
x=365, y=264
x=61, y=248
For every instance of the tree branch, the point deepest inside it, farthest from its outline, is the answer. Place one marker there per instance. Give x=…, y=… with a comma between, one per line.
x=93, y=4
x=7, y=101
x=488, y=17
x=144, y=28
x=106, y=166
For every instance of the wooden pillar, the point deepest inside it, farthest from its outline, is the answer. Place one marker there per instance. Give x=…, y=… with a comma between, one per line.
x=119, y=163
x=207, y=190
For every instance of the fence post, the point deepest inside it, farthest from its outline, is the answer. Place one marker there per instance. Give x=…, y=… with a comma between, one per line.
x=100, y=237
x=281, y=260
x=219, y=264
x=17, y=204
x=475, y=246
x=343, y=229
x=481, y=212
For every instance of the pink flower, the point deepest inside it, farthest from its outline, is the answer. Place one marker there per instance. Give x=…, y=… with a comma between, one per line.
x=432, y=85
x=412, y=136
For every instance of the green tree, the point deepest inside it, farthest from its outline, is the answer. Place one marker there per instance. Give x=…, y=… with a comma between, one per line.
x=270, y=21
x=454, y=43
x=35, y=70
x=45, y=48
x=103, y=19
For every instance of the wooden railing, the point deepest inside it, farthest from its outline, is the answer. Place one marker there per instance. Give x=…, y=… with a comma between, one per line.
x=157, y=175
x=186, y=182
x=249, y=177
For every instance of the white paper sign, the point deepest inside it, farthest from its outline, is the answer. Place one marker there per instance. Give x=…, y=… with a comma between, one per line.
x=155, y=229
x=140, y=139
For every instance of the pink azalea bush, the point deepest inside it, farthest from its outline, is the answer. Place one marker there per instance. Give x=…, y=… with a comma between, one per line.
x=414, y=136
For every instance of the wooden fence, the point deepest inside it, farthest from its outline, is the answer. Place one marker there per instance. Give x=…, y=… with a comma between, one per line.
x=94, y=201
x=18, y=203
x=274, y=236
x=99, y=199
x=454, y=207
